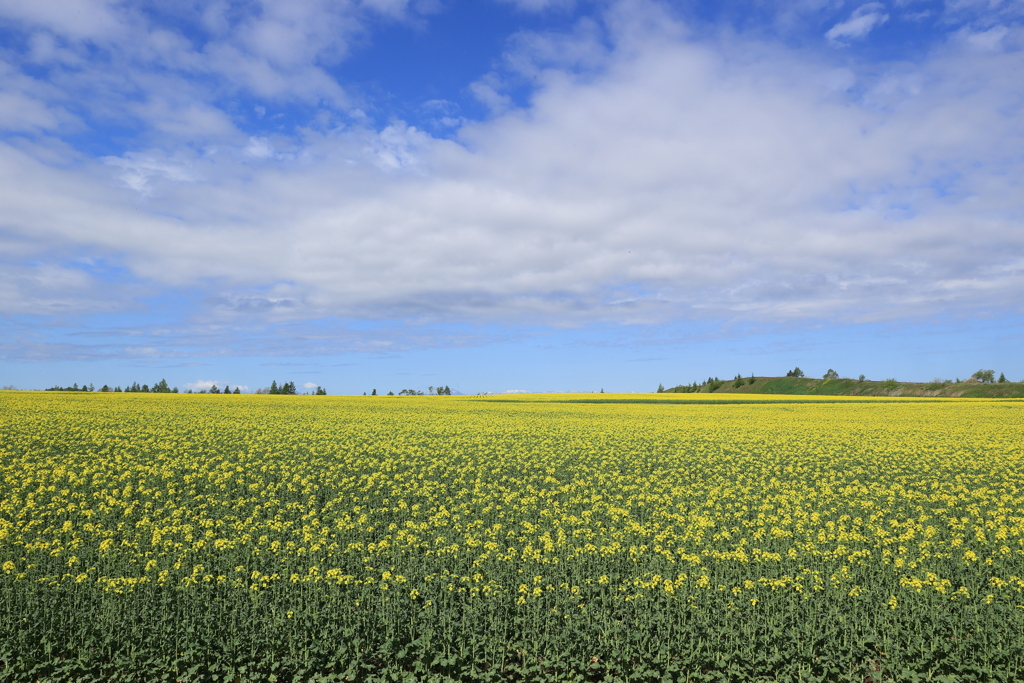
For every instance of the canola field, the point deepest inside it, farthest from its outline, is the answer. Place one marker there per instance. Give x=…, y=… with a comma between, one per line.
x=552, y=538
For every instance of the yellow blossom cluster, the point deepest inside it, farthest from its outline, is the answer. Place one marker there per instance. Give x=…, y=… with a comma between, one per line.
x=495, y=510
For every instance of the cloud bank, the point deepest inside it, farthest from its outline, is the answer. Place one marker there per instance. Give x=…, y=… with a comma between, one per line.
x=653, y=174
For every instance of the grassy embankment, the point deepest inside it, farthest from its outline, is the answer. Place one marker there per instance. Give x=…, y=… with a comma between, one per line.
x=852, y=387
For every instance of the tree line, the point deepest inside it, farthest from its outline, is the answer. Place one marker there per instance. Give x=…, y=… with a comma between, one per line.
x=162, y=387
x=714, y=383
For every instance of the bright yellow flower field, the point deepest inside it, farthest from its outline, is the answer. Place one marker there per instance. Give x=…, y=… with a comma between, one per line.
x=488, y=538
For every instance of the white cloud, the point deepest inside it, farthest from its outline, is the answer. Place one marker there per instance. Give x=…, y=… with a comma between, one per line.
x=990, y=40
x=861, y=22
x=207, y=384
x=653, y=175
x=540, y=5
x=310, y=385
x=260, y=148
x=138, y=169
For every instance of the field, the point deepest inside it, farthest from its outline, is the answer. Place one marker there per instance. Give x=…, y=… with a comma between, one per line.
x=555, y=538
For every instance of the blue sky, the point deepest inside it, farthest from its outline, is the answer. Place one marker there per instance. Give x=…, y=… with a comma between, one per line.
x=532, y=195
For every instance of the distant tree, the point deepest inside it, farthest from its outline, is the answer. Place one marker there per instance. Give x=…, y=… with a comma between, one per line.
x=831, y=374
x=986, y=376
x=795, y=372
x=214, y=389
x=320, y=391
x=1002, y=377
x=288, y=388
x=861, y=378
x=104, y=388
x=227, y=389
x=237, y=390
x=661, y=388
x=391, y=393
x=737, y=381
x=373, y=393
x=273, y=387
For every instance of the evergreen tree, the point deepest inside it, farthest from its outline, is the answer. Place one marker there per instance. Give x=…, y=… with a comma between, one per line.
x=214, y=389
x=373, y=393
x=273, y=387
x=237, y=390
x=1002, y=377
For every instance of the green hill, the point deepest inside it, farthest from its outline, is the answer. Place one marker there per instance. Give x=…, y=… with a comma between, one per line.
x=852, y=387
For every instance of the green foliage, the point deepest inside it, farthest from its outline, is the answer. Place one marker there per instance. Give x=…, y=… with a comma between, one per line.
x=831, y=374
x=985, y=376
x=1002, y=378
x=890, y=384
x=795, y=372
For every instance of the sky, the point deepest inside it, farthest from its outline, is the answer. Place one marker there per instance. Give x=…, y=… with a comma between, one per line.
x=508, y=195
